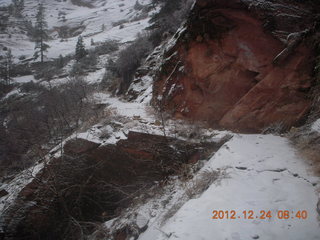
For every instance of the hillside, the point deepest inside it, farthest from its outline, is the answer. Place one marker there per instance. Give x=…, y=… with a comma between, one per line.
x=66, y=21
x=159, y=119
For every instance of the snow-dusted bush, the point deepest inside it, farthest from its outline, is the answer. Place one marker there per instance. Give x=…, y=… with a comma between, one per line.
x=307, y=142
x=139, y=17
x=82, y=3
x=21, y=70
x=105, y=133
x=137, y=6
x=130, y=59
x=107, y=47
x=30, y=87
x=110, y=82
x=200, y=184
x=83, y=65
x=119, y=23
x=43, y=116
x=169, y=18
x=47, y=73
x=275, y=128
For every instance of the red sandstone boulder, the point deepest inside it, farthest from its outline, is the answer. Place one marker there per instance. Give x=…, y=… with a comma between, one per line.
x=234, y=68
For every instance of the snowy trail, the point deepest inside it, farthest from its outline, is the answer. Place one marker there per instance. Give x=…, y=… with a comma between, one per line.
x=263, y=173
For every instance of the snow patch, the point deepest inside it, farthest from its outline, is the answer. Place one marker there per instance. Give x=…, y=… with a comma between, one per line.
x=316, y=126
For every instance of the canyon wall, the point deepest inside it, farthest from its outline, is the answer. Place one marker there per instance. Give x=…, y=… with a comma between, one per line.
x=240, y=65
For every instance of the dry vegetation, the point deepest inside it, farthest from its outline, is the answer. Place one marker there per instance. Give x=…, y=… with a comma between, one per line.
x=308, y=145
x=35, y=122
x=200, y=184
x=304, y=139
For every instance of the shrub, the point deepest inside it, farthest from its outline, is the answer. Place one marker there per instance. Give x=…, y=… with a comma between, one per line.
x=22, y=57
x=275, y=128
x=78, y=68
x=137, y=6
x=121, y=22
x=308, y=145
x=110, y=83
x=202, y=183
x=82, y=3
x=130, y=59
x=90, y=60
x=47, y=73
x=139, y=17
x=43, y=117
x=84, y=64
x=31, y=87
x=21, y=70
x=169, y=18
x=111, y=77
x=4, y=89
x=60, y=62
x=107, y=47
x=169, y=7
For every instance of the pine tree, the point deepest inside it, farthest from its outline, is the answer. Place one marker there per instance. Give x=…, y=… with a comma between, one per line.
x=7, y=67
x=60, y=62
x=18, y=6
x=80, y=49
x=137, y=6
x=40, y=33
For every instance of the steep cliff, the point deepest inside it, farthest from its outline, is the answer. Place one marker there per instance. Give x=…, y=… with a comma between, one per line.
x=241, y=65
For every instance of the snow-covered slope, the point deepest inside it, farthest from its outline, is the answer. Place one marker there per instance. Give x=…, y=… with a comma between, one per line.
x=97, y=23
x=256, y=172
x=262, y=173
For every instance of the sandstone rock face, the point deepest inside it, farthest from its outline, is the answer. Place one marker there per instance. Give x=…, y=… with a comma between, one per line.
x=237, y=65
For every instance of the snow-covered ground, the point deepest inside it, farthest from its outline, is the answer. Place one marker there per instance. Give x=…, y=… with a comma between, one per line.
x=16, y=185
x=262, y=172
x=257, y=173
x=122, y=107
x=316, y=126
x=96, y=23
x=24, y=79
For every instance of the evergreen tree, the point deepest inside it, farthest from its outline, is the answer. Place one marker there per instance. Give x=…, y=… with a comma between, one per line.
x=18, y=6
x=7, y=67
x=80, y=49
x=29, y=28
x=137, y=6
x=40, y=33
x=60, y=62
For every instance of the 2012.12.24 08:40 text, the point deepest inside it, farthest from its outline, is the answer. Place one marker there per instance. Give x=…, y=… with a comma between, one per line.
x=261, y=214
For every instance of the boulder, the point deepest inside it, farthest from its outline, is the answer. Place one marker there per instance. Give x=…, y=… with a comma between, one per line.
x=253, y=67
x=3, y=193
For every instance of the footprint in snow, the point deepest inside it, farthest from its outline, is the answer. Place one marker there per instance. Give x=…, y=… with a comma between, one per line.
x=275, y=180
x=242, y=168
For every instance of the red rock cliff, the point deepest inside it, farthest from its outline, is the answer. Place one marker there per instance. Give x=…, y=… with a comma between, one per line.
x=241, y=65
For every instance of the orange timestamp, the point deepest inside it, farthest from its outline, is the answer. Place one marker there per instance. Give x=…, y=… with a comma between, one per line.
x=262, y=214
